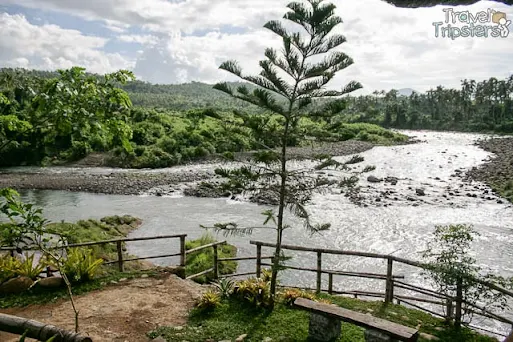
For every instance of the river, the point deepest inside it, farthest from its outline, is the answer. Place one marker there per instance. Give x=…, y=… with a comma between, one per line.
x=399, y=222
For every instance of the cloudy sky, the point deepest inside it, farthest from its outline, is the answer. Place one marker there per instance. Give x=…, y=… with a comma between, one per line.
x=177, y=41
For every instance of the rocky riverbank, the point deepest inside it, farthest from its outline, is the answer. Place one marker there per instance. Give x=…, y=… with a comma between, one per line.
x=498, y=171
x=135, y=182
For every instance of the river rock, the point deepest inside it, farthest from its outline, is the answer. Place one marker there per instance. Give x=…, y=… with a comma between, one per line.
x=51, y=282
x=392, y=180
x=420, y=192
x=241, y=338
x=16, y=285
x=374, y=179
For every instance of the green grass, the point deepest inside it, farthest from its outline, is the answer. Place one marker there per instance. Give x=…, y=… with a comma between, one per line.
x=372, y=133
x=204, y=259
x=107, y=228
x=234, y=318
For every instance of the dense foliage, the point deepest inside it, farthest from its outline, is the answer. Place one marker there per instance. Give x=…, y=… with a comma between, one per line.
x=65, y=117
x=48, y=118
x=477, y=106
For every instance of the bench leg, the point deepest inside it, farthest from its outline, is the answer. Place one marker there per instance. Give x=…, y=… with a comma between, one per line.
x=376, y=336
x=323, y=328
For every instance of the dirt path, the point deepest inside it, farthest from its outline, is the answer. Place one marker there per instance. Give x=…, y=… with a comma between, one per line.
x=122, y=312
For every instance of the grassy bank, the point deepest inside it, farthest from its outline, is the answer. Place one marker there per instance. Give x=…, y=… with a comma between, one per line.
x=234, y=318
x=107, y=228
x=204, y=259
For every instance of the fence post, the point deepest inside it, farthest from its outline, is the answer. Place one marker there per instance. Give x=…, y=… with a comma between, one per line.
x=389, y=287
x=216, y=268
x=319, y=271
x=120, y=255
x=450, y=310
x=259, y=261
x=459, y=301
x=182, y=251
x=330, y=283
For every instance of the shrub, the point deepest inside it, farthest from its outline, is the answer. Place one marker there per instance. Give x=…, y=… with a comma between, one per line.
x=225, y=287
x=28, y=269
x=290, y=295
x=9, y=267
x=80, y=265
x=209, y=301
x=256, y=291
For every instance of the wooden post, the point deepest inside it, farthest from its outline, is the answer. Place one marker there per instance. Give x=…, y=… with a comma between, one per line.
x=120, y=256
x=319, y=271
x=216, y=261
x=259, y=261
x=330, y=283
x=182, y=251
x=450, y=310
x=459, y=301
x=389, y=287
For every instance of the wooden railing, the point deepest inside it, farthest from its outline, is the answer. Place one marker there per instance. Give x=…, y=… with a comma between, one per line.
x=453, y=306
x=215, y=267
x=120, y=261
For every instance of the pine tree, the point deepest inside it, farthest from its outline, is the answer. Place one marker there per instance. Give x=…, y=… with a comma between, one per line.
x=288, y=83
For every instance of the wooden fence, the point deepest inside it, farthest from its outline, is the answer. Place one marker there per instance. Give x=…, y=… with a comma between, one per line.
x=452, y=306
x=120, y=261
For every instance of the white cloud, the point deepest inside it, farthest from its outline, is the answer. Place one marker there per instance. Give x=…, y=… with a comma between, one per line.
x=146, y=39
x=50, y=47
x=392, y=47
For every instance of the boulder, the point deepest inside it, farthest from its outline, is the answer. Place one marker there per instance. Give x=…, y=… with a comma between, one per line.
x=420, y=192
x=374, y=179
x=16, y=285
x=51, y=282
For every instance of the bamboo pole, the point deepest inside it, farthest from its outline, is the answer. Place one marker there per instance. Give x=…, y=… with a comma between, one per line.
x=37, y=330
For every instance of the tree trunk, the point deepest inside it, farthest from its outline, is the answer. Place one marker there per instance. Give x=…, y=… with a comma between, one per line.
x=281, y=209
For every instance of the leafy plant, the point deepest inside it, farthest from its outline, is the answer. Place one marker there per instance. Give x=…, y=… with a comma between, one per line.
x=28, y=269
x=80, y=264
x=209, y=300
x=225, y=287
x=25, y=221
x=290, y=295
x=255, y=291
x=9, y=267
x=455, y=273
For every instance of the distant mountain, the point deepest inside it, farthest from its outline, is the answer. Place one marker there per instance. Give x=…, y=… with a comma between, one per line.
x=406, y=91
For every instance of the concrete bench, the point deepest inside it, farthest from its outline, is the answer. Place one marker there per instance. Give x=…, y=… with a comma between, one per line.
x=325, y=324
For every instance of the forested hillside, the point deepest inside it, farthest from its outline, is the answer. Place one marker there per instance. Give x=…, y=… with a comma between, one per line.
x=50, y=118
x=476, y=106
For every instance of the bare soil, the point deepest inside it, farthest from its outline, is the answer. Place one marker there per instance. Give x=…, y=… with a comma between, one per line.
x=121, y=312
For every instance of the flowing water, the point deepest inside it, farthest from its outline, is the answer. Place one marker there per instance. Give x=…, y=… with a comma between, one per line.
x=402, y=227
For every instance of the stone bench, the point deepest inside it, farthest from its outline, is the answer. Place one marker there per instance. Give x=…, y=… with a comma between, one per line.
x=325, y=324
